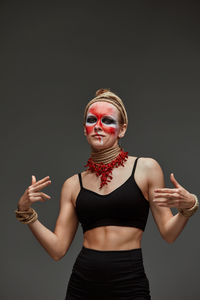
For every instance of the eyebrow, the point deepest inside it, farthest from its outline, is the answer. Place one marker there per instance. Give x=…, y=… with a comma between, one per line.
x=90, y=114
x=110, y=117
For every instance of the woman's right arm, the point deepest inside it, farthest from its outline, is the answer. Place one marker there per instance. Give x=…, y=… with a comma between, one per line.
x=58, y=242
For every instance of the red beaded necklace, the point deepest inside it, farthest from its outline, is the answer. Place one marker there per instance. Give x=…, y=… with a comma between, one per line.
x=105, y=170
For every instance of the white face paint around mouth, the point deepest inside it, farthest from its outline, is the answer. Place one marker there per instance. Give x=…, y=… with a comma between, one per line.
x=100, y=138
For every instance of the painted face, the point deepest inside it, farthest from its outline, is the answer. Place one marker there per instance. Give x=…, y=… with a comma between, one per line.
x=102, y=119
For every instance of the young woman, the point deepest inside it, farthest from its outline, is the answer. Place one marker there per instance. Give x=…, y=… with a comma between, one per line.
x=111, y=200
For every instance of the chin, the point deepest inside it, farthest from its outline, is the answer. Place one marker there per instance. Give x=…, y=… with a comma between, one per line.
x=98, y=146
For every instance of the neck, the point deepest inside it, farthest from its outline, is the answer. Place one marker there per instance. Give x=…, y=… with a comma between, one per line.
x=105, y=156
x=103, y=161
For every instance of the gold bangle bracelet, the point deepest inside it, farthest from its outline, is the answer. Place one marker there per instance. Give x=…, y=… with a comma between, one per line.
x=26, y=216
x=188, y=212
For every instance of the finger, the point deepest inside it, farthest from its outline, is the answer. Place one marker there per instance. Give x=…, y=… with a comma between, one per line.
x=35, y=199
x=165, y=205
x=46, y=196
x=38, y=197
x=162, y=195
x=39, y=187
x=167, y=190
x=33, y=179
x=169, y=204
x=40, y=194
x=166, y=195
x=41, y=181
x=174, y=181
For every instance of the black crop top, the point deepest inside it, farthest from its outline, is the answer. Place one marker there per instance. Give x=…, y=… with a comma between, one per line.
x=125, y=206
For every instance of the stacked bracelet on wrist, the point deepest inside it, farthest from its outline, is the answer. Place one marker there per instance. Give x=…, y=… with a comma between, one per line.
x=26, y=216
x=188, y=212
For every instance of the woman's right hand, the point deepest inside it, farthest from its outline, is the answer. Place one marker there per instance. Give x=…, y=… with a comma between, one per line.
x=32, y=194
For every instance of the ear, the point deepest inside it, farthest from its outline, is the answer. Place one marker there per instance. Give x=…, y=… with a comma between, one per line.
x=122, y=131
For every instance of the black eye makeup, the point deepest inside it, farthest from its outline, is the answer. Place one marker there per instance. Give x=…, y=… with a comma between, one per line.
x=108, y=120
x=91, y=119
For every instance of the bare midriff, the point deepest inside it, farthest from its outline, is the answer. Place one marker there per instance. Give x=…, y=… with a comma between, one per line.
x=113, y=238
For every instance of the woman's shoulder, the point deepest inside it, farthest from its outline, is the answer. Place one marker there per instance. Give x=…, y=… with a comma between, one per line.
x=142, y=158
x=149, y=164
x=146, y=162
x=71, y=182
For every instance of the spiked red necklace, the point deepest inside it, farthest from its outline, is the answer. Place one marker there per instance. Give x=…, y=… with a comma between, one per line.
x=105, y=169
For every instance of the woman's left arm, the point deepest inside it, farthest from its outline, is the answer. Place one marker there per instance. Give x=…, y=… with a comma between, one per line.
x=161, y=199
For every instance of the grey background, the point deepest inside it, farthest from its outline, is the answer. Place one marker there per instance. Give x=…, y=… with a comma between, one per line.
x=53, y=57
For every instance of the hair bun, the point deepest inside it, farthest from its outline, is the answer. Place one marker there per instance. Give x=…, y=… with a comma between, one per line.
x=101, y=91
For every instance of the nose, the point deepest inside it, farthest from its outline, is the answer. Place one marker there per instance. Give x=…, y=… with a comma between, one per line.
x=98, y=126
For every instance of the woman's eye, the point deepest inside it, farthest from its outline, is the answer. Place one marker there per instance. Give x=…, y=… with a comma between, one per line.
x=108, y=121
x=91, y=120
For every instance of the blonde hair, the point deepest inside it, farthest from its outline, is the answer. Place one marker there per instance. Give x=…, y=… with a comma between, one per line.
x=105, y=95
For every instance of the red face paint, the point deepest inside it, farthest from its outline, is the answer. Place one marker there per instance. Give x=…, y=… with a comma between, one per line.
x=101, y=115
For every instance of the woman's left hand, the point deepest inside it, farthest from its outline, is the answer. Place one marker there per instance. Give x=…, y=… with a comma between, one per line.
x=177, y=197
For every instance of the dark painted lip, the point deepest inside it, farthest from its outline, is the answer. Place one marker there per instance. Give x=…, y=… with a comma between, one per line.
x=98, y=135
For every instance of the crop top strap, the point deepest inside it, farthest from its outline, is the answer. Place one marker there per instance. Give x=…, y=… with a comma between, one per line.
x=134, y=166
x=80, y=180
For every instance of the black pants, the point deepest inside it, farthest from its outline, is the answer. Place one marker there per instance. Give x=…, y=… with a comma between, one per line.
x=108, y=275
